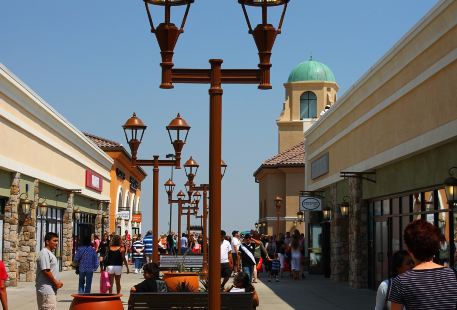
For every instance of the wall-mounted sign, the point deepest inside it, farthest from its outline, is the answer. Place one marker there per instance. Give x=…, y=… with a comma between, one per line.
x=308, y=203
x=125, y=215
x=319, y=166
x=94, y=181
x=136, y=217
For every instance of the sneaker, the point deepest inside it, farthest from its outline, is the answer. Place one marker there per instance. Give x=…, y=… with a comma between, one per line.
x=136, y=271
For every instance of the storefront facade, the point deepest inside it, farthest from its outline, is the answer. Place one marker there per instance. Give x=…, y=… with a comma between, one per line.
x=386, y=147
x=50, y=175
x=125, y=188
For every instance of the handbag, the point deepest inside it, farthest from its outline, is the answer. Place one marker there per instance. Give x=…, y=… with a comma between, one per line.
x=259, y=265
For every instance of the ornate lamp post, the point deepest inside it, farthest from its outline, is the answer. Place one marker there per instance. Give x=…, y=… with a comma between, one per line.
x=450, y=186
x=278, y=201
x=300, y=216
x=264, y=35
x=326, y=214
x=25, y=203
x=178, y=130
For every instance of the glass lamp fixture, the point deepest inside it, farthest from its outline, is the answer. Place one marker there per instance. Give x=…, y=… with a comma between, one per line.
x=450, y=186
x=300, y=216
x=327, y=214
x=26, y=203
x=77, y=214
x=344, y=206
x=169, y=187
x=178, y=130
x=134, y=130
x=43, y=207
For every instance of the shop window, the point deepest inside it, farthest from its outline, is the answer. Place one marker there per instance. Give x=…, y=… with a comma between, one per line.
x=119, y=201
x=308, y=105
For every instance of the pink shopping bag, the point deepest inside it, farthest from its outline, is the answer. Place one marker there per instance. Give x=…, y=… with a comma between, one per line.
x=104, y=282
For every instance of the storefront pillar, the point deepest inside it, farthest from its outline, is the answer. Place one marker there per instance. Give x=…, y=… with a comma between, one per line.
x=338, y=240
x=67, y=247
x=98, y=221
x=10, y=229
x=27, y=239
x=358, y=236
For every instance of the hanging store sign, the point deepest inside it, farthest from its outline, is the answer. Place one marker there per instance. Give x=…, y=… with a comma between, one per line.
x=136, y=217
x=125, y=215
x=308, y=203
x=94, y=181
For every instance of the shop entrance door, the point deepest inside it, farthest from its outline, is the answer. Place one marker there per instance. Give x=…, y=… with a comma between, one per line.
x=381, y=249
x=315, y=249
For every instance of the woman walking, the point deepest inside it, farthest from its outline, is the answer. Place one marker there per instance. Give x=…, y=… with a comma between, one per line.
x=401, y=262
x=295, y=257
x=114, y=260
x=103, y=250
x=428, y=285
x=87, y=260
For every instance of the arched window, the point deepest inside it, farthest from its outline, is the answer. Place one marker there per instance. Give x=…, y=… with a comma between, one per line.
x=119, y=201
x=308, y=105
x=127, y=203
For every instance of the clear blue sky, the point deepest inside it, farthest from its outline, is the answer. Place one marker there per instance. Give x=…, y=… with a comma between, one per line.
x=96, y=62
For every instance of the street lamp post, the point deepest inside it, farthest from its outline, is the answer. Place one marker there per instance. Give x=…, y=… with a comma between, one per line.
x=167, y=36
x=278, y=200
x=134, y=129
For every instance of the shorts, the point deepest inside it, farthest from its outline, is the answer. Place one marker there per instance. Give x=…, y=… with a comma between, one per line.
x=46, y=301
x=117, y=270
x=225, y=270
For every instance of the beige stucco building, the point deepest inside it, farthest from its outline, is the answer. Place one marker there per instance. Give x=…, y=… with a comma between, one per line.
x=396, y=132
x=44, y=159
x=310, y=91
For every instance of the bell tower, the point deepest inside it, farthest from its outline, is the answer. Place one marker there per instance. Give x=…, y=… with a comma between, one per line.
x=311, y=88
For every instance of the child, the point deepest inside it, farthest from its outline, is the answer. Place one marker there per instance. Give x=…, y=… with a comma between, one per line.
x=275, y=267
x=152, y=282
x=242, y=283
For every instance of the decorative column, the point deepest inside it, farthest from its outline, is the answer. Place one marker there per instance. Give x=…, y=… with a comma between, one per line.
x=67, y=245
x=338, y=240
x=27, y=239
x=358, y=236
x=98, y=220
x=10, y=229
x=108, y=220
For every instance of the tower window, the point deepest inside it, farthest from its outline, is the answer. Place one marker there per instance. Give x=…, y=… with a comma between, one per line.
x=308, y=105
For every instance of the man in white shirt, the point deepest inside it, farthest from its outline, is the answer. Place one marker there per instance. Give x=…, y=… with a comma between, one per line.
x=226, y=259
x=235, y=247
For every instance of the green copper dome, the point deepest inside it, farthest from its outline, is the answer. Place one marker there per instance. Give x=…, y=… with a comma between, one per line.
x=311, y=70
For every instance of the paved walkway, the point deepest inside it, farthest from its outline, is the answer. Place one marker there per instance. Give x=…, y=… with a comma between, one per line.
x=315, y=292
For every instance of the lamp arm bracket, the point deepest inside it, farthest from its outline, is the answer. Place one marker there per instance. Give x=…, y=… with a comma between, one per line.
x=282, y=18
x=246, y=16
x=153, y=30
x=359, y=175
x=181, y=29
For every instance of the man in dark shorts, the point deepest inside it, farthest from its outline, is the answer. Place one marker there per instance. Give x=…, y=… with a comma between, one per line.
x=226, y=259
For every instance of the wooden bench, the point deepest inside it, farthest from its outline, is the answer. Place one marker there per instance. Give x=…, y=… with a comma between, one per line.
x=178, y=300
x=171, y=262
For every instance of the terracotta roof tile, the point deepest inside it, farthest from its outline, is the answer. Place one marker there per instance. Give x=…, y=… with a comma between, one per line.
x=103, y=143
x=295, y=156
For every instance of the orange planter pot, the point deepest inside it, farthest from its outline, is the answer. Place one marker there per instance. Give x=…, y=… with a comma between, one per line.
x=175, y=279
x=96, y=302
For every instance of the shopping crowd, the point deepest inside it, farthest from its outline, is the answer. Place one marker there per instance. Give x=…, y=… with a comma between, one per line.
x=416, y=279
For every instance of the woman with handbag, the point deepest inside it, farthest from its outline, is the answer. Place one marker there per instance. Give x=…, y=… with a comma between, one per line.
x=114, y=261
x=85, y=262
